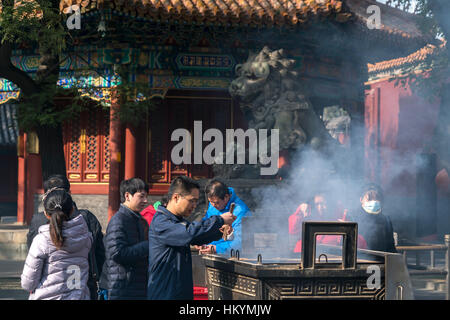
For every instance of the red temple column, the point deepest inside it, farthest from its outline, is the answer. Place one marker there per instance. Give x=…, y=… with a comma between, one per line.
x=130, y=152
x=29, y=178
x=116, y=158
x=34, y=179
x=21, y=181
x=33, y=175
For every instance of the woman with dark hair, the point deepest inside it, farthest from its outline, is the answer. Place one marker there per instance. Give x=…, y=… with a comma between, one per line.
x=57, y=265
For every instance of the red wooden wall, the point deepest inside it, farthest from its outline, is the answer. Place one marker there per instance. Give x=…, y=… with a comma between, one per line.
x=399, y=125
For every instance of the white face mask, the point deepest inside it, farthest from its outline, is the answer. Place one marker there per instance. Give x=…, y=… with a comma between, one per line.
x=372, y=207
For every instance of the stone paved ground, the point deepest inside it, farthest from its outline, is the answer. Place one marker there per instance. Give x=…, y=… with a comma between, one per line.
x=10, y=289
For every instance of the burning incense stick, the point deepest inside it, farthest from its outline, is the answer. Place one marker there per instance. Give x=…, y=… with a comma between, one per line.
x=226, y=228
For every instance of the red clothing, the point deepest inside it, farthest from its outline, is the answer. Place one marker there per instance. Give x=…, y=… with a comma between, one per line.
x=295, y=228
x=296, y=219
x=295, y=222
x=148, y=214
x=331, y=240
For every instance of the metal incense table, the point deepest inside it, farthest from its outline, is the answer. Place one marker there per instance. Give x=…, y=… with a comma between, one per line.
x=371, y=275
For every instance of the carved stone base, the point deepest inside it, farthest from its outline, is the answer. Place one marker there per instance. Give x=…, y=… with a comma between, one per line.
x=227, y=285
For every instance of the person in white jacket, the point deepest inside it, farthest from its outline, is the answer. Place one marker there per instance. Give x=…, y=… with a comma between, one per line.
x=57, y=266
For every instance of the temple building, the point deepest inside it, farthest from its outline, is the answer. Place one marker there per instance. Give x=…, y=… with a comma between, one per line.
x=186, y=52
x=400, y=122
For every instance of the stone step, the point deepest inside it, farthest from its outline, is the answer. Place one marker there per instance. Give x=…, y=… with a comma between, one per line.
x=8, y=219
x=422, y=294
x=435, y=285
x=13, y=251
x=11, y=269
x=429, y=284
x=429, y=288
x=13, y=242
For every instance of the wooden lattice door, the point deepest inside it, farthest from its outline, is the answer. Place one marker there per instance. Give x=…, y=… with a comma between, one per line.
x=86, y=147
x=175, y=113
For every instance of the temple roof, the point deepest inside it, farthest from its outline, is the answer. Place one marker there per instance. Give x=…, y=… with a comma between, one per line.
x=393, y=21
x=255, y=12
x=395, y=66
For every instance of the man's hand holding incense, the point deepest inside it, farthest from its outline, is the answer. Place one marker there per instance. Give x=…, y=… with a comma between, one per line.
x=228, y=218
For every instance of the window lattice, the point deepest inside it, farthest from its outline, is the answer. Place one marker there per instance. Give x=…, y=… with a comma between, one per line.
x=107, y=153
x=92, y=142
x=75, y=154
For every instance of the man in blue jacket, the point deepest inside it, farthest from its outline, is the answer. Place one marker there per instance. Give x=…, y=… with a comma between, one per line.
x=220, y=198
x=170, y=237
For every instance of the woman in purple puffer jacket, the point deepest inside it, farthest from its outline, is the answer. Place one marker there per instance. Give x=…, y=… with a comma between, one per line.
x=57, y=265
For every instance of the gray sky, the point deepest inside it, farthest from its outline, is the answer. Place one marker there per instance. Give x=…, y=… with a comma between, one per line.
x=412, y=6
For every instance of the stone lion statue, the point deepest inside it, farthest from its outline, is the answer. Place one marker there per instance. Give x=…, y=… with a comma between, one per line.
x=271, y=98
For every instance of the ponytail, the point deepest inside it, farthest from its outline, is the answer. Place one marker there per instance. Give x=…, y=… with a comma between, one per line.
x=56, y=223
x=58, y=205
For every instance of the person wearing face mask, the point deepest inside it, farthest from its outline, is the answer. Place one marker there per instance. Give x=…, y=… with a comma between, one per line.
x=373, y=225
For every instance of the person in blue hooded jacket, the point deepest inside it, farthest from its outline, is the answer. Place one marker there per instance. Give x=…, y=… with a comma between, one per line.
x=220, y=198
x=170, y=238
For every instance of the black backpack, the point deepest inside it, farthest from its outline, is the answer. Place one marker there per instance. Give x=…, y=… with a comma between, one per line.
x=93, y=270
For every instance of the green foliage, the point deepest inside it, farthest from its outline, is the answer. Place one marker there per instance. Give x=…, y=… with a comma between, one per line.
x=40, y=23
x=434, y=71
x=134, y=98
x=18, y=24
x=135, y=104
x=427, y=84
x=423, y=9
x=34, y=22
x=39, y=110
x=427, y=24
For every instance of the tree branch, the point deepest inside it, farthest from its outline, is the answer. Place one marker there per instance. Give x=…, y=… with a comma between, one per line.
x=442, y=16
x=19, y=77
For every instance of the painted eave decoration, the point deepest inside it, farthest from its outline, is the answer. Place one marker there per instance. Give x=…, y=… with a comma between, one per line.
x=8, y=125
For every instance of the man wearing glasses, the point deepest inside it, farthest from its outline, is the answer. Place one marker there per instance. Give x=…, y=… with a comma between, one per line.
x=170, y=238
